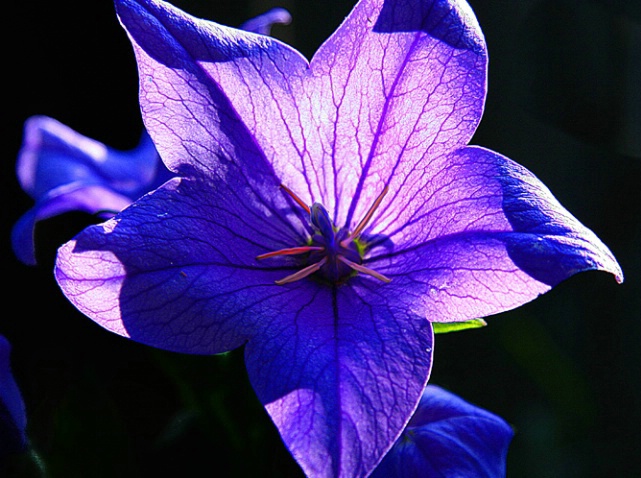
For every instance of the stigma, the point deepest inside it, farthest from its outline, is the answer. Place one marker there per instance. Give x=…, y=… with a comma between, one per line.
x=332, y=254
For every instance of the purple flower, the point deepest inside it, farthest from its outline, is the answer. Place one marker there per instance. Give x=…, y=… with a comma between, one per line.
x=13, y=419
x=65, y=171
x=448, y=436
x=324, y=214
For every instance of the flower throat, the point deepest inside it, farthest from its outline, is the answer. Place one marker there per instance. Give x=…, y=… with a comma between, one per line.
x=334, y=254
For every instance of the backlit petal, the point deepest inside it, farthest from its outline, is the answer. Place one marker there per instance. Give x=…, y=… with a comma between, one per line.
x=178, y=269
x=488, y=236
x=398, y=84
x=350, y=369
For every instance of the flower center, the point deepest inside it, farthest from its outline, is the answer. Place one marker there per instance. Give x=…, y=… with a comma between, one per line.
x=332, y=254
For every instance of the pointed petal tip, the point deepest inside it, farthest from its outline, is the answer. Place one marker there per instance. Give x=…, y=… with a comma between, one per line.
x=617, y=272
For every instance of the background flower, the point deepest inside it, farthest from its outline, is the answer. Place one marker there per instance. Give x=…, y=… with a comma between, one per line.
x=13, y=418
x=64, y=171
x=448, y=436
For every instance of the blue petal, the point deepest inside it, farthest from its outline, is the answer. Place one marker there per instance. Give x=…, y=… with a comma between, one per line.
x=13, y=419
x=263, y=23
x=65, y=171
x=482, y=236
x=178, y=269
x=53, y=155
x=399, y=85
x=92, y=199
x=340, y=372
x=448, y=437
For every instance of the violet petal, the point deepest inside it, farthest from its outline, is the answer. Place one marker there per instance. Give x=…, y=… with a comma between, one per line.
x=339, y=375
x=67, y=198
x=13, y=419
x=178, y=270
x=488, y=237
x=53, y=155
x=65, y=171
x=398, y=84
x=448, y=436
x=263, y=23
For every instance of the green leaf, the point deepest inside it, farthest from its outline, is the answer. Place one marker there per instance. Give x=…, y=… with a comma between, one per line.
x=445, y=327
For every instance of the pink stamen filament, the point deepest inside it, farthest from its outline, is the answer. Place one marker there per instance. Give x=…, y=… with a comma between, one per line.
x=290, y=251
x=302, y=273
x=361, y=225
x=296, y=198
x=365, y=270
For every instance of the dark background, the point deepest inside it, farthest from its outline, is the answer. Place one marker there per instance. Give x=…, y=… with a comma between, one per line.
x=564, y=100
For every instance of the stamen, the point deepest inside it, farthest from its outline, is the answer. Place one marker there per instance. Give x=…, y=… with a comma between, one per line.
x=289, y=251
x=297, y=199
x=301, y=274
x=365, y=270
x=324, y=227
x=361, y=225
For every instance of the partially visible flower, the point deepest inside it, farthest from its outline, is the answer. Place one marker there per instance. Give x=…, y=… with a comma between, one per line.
x=324, y=214
x=64, y=171
x=13, y=419
x=263, y=23
x=448, y=437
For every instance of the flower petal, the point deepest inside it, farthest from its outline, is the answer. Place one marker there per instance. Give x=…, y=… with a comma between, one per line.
x=65, y=171
x=178, y=269
x=54, y=155
x=263, y=23
x=66, y=198
x=448, y=436
x=213, y=95
x=340, y=372
x=13, y=419
x=488, y=236
x=398, y=84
